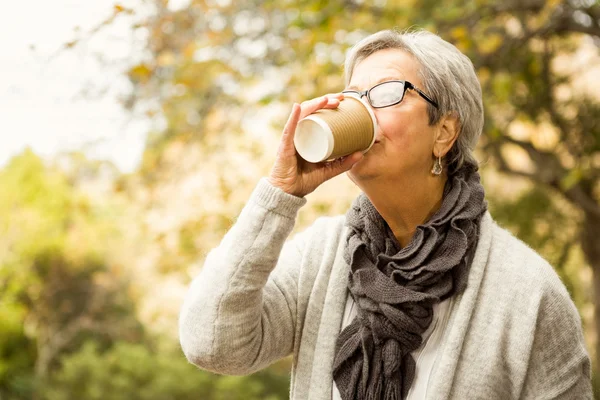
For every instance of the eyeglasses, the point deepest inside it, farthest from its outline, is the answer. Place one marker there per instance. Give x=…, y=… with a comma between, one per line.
x=390, y=93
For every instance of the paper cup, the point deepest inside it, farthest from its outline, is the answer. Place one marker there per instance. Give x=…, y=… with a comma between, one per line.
x=332, y=133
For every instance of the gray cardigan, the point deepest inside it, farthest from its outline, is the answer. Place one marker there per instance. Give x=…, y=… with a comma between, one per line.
x=514, y=333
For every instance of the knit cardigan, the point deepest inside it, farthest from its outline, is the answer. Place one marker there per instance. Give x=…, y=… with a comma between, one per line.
x=514, y=333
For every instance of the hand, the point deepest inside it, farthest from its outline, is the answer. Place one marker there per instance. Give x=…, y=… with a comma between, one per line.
x=296, y=176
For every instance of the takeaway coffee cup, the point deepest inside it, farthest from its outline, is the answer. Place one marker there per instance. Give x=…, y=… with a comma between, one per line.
x=332, y=133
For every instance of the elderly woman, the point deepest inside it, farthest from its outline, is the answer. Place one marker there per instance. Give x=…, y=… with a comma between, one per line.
x=415, y=293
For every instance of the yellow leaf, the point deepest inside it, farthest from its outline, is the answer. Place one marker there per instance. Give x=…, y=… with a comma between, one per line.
x=571, y=179
x=484, y=74
x=140, y=73
x=490, y=44
x=461, y=38
x=459, y=33
x=189, y=50
x=165, y=58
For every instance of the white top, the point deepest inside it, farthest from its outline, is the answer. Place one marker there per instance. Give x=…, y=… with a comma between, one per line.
x=425, y=356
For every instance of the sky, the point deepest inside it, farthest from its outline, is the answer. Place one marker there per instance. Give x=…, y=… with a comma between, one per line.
x=43, y=103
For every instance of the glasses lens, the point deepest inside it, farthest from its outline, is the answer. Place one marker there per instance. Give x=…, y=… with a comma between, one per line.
x=386, y=94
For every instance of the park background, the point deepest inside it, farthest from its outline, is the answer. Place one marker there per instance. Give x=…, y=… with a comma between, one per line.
x=134, y=132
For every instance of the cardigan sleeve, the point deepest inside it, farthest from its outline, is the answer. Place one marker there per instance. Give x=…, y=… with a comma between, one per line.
x=239, y=314
x=559, y=365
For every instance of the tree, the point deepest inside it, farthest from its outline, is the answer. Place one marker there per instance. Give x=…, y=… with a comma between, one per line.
x=144, y=371
x=212, y=65
x=56, y=287
x=537, y=88
x=70, y=327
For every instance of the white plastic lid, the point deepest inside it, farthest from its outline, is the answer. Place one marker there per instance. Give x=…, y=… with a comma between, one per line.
x=313, y=139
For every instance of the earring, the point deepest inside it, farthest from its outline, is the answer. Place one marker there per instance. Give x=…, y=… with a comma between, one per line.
x=437, y=167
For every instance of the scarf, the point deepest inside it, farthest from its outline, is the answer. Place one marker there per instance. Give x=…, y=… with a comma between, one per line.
x=395, y=288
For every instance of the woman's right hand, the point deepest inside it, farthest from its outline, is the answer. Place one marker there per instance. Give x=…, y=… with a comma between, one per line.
x=296, y=176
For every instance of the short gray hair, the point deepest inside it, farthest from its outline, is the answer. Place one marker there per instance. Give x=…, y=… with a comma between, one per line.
x=448, y=77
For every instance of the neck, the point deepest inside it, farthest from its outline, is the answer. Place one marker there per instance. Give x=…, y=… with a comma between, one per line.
x=406, y=204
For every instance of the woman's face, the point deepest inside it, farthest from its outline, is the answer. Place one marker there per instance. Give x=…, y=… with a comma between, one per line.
x=404, y=139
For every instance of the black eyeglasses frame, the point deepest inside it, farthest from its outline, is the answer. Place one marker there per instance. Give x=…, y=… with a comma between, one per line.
x=407, y=86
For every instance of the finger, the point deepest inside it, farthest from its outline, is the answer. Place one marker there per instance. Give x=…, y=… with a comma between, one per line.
x=310, y=106
x=342, y=164
x=338, y=96
x=334, y=99
x=332, y=103
x=286, y=146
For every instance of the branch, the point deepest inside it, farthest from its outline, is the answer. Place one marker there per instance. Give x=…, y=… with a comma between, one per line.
x=564, y=254
x=49, y=347
x=550, y=174
x=555, y=117
x=565, y=22
x=577, y=195
x=494, y=148
x=376, y=11
x=549, y=168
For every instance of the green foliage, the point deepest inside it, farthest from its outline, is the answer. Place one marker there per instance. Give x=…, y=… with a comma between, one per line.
x=69, y=323
x=35, y=202
x=126, y=371
x=129, y=371
x=544, y=224
x=32, y=204
x=17, y=354
x=56, y=289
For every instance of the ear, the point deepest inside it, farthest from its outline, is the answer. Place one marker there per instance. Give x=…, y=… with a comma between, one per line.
x=446, y=134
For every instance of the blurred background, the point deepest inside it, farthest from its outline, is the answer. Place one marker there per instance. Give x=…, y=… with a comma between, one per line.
x=133, y=132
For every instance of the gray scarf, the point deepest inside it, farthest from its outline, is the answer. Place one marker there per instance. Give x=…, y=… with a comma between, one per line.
x=395, y=288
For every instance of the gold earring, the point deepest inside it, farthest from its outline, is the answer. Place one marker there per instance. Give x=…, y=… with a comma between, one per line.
x=437, y=167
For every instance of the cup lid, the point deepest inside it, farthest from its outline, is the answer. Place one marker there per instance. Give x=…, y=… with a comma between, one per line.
x=313, y=139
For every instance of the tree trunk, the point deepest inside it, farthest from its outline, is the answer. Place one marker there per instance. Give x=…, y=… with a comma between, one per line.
x=590, y=244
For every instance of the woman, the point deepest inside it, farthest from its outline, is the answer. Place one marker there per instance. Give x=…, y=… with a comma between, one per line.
x=416, y=293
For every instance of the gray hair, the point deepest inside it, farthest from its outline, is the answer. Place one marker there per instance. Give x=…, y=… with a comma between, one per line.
x=448, y=77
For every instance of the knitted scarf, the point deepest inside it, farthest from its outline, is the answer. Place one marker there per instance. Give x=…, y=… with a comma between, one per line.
x=395, y=288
